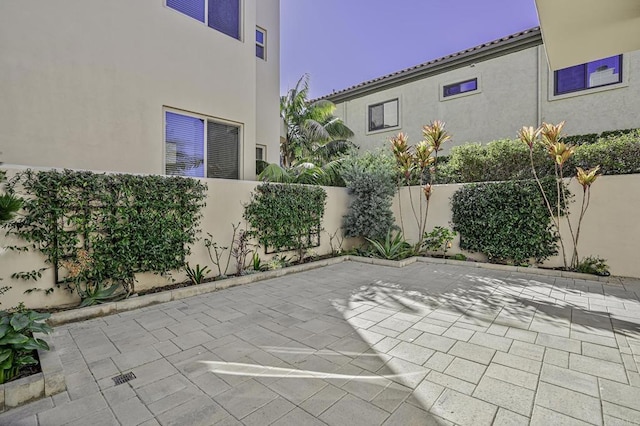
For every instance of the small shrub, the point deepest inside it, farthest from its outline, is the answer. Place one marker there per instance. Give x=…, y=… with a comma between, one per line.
x=593, y=265
x=507, y=221
x=197, y=274
x=392, y=247
x=17, y=344
x=284, y=217
x=371, y=182
x=616, y=155
x=438, y=240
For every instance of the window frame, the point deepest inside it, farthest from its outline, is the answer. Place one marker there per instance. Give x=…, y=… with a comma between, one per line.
x=206, y=18
x=477, y=90
x=263, y=44
x=622, y=73
x=206, y=119
x=264, y=152
x=459, y=83
x=383, y=128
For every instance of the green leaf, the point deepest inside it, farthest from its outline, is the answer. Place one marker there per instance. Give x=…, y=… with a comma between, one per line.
x=33, y=344
x=14, y=339
x=19, y=321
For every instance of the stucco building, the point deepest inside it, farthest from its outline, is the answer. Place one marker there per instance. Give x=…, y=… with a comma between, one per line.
x=488, y=92
x=187, y=87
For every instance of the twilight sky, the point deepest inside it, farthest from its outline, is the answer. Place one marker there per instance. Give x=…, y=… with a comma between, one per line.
x=340, y=43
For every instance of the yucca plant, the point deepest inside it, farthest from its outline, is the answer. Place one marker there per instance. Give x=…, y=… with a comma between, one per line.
x=393, y=247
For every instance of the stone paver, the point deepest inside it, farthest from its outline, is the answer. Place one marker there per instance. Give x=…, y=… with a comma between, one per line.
x=428, y=344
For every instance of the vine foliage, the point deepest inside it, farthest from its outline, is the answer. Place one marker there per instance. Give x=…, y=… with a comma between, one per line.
x=286, y=217
x=97, y=229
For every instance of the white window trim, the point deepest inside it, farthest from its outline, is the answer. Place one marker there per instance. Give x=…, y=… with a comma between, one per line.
x=206, y=19
x=385, y=129
x=441, y=87
x=204, y=117
x=263, y=45
x=551, y=84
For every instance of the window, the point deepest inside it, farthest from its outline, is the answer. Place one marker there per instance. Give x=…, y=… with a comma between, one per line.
x=200, y=147
x=261, y=43
x=461, y=87
x=261, y=152
x=222, y=15
x=383, y=115
x=602, y=72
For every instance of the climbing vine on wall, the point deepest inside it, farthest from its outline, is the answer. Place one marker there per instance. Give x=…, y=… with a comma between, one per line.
x=286, y=217
x=107, y=227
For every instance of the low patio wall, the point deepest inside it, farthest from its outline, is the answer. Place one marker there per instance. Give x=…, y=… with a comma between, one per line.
x=225, y=199
x=611, y=229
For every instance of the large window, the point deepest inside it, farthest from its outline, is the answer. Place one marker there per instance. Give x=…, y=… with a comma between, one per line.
x=200, y=147
x=222, y=15
x=383, y=115
x=461, y=87
x=261, y=43
x=602, y=72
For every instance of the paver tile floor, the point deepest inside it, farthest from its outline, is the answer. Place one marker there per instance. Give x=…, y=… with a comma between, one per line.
x=356, y=344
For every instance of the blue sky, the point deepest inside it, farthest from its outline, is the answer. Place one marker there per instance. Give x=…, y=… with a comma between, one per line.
x=340, y=43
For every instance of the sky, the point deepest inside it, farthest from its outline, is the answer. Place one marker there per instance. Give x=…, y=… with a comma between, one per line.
x=340, y=43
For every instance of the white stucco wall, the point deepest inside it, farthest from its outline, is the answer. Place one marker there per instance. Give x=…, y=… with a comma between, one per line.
x=84, y=85
x=513, y=90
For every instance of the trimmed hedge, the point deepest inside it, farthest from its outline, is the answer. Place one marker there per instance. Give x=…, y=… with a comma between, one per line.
x=507, y=221
x=618, y=153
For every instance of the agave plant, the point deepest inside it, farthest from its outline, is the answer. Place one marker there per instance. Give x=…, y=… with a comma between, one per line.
x=393, y=247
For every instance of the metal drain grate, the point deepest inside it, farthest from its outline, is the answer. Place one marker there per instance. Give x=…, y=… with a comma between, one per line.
x=124, y=378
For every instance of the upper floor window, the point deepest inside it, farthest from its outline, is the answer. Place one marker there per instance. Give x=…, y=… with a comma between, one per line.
x=461, y=87
x=383, y=115
x=201, y=147
x=587, y=76
x=261, y=152
x=261, y=43
x=222, y=15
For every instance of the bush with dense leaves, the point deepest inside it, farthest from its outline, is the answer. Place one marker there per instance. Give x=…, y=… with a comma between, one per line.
x=370, y=180
x=507, y=221
x=286, y=217
x=616, y=153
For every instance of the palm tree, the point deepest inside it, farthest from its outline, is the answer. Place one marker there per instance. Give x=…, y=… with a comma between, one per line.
x=314, y=135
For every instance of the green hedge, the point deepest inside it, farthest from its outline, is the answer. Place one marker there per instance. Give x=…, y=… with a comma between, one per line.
x=286, y=217
x=617, y=153
x=127, y=224
x=507, y=221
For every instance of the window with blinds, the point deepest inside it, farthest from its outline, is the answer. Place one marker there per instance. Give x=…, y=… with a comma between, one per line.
x=221, y=15
x=200, y=147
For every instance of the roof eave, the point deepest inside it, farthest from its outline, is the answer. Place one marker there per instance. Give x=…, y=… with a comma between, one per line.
x=503, y=47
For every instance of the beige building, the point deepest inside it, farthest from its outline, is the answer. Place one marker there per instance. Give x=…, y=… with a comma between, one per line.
x=488, y=92
x=188, y=87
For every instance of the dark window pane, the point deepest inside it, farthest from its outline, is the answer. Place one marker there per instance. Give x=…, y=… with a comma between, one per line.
x=224, y=16
x=223, y=148
x=184, y=145
x=570, y=79
x=376, y=117
x=260, y=51
x=193, y=8
x=604, y=71
x=462, y=87
x=259, y=37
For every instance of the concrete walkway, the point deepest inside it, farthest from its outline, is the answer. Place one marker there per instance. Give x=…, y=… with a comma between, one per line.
x=355, y=344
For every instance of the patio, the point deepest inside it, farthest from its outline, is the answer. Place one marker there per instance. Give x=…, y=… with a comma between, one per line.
x=359, y=344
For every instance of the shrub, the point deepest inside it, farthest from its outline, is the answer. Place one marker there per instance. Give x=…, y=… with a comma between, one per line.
x=617, y=153
x=391, y=247
x=593, y=265
x=370, y=180
x=106, y=228
x=439, y=239
x=507, y=221
x=286, y=217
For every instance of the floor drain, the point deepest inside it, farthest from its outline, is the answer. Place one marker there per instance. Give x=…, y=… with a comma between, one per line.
x=123, y=378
